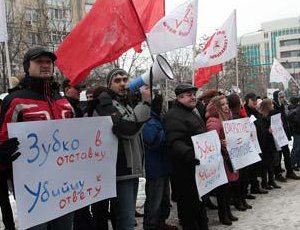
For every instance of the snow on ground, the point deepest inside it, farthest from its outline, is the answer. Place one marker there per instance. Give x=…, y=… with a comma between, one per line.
x=280, y=209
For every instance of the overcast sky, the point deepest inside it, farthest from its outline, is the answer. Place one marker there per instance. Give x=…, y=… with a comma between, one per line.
x=250, y=13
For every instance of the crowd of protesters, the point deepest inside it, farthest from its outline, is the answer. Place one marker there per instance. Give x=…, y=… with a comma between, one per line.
x=152, y=143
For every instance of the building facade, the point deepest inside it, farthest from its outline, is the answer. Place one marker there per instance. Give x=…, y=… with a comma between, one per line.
x=278, y=39
x=38, y=22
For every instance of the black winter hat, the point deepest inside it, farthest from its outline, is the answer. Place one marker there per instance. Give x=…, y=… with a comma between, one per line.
x=66, y=83
x=251, y=96
x=184, y=87
x=34, y=53
x=113, y=73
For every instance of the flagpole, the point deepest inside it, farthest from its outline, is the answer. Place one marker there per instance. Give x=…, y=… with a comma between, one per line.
x=193, y=68
x=295, y=82
x=8, y=63
x=142, y=28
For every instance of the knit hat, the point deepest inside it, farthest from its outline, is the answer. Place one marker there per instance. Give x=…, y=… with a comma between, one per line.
x=113, y=73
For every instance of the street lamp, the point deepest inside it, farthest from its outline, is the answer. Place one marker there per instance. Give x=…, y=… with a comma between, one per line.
x=237, y=58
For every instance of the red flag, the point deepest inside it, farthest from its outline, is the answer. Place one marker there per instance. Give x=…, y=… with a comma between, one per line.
x=149, y=11
x=107, y=31
x=203, y=75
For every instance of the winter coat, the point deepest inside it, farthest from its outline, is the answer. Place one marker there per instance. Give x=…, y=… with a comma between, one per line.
x=293, y=118
x=37, y=101
x=76, y=106
x=181, y=123
x=215, y=123
x=281, y=108
x=127, y=126
x=157, y=163
x=267, y=143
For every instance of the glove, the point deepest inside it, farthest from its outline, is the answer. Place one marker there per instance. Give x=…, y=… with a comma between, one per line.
x=193, y=161
x=8, y=150
x=196, y=161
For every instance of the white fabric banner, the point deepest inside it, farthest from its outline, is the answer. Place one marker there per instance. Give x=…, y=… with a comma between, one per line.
x=278, y=132
x=222, y=45
x=279, y=74
x=3, y=26
x=211, y=172
x=64, y=166
x=177, y=29
x=240, y=147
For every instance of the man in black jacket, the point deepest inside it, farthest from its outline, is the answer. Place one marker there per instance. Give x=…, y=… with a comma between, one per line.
x=294, y=122
x=8, y=153
x=255, y=169
x=280, y=105
x=128, y=123
x=72, y=94
x=181, y=123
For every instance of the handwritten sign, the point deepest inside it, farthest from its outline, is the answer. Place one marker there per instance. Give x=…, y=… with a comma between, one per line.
x=64, y=166
x=211, y=172
x=278, y=132
x=240, y=147
x=254, y=139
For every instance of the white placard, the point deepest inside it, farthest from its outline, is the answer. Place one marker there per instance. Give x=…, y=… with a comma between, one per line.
x=254, y=139
x=240, y=147
x=65, y=165
x=211, y=172
x=278, y=132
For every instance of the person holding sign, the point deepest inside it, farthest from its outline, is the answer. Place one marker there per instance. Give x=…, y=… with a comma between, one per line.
x=8, y=153
x=254, y=169
x=127, y=126
x=270, y=155
x=240, y=187
x=181, y=123
x=216, y=112
x=280, y=105
x=39, y=99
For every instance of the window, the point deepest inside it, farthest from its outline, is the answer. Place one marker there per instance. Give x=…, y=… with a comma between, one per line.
x=88, y=5
x=290, y=42
x=33, y=38
x=294, y=53
x=31, y=15
x=57, y=38
x=58, y=2
x=59, y=14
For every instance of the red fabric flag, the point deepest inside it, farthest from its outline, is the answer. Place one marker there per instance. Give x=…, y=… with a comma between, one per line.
x=107, y=31
x=203, y=75
x=149, y=11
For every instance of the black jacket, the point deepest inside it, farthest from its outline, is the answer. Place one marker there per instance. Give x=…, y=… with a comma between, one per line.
x=181, y=123
x=294, y=119
x=267, y=143
x=127, y=126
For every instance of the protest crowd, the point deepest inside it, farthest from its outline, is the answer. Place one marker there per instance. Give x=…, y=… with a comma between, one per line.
x=155, y=143
x=75, y=166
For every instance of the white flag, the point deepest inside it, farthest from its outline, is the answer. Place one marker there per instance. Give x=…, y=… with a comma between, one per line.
x=279, y=74
x=3, y=27
x=222, y=45
x=175, y=30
